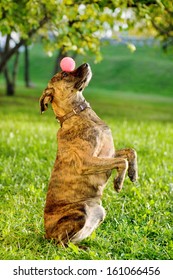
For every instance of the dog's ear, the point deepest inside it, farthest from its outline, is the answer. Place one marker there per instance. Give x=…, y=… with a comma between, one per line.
x=46, y=98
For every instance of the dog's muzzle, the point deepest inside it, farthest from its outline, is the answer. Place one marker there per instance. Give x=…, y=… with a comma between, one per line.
x=84, y=74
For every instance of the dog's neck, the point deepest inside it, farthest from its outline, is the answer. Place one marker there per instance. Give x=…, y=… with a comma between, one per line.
x=76, y=111
x=78, y=105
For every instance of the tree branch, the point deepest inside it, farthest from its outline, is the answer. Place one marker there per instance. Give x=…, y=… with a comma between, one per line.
x=8, y=54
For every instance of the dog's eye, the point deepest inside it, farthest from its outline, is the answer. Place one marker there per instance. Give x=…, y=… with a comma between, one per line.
x=64, y=74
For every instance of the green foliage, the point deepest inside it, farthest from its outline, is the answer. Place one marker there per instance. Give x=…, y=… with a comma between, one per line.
x=80, y=27
x=74, y=26
x=139, y=219
x=70, y=25
x=158, y=15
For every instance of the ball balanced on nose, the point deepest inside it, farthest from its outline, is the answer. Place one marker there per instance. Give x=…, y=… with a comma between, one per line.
x=67, y=64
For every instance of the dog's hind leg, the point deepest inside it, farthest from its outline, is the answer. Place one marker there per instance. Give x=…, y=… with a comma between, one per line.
x=131, y=156
x=94, y=216
x=64, y=224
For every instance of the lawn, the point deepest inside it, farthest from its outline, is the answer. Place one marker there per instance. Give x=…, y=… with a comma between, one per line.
x=133, y=94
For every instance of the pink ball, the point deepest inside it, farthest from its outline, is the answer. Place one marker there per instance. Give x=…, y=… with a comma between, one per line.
x=67, y=64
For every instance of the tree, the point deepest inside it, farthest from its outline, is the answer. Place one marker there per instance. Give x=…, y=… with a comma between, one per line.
x=62, y=24
x=161, y=17
x=156, y=17
x=14, y=20
x=69, y=25
x=26, y=67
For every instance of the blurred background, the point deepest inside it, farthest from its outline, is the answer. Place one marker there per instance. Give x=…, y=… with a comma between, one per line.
x=129, y=45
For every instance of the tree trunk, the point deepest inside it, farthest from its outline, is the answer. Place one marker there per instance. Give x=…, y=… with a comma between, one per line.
x=9, y=83
x=11, y=80
x=15, y=68
x=10, y=89
x=6, y=55
x=26, y=67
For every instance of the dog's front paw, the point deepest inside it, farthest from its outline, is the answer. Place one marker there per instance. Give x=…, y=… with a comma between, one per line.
x=132, y=172
x=118, y=184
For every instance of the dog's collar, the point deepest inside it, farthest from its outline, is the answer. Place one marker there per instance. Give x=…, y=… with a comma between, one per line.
x=76, y=111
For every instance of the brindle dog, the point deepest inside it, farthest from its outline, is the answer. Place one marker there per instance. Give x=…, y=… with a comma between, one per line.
x=84, y=160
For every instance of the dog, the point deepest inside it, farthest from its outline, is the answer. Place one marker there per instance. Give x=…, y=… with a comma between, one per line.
x=85, y=159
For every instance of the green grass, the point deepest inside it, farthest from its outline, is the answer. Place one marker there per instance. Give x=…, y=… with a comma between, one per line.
x=139, y=219
x=147, y=71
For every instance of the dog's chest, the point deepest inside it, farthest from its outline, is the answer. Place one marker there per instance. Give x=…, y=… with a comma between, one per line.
x=104, y=143
x=94, y=138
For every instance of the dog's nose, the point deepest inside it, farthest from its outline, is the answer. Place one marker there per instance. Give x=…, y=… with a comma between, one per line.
x=86, y=65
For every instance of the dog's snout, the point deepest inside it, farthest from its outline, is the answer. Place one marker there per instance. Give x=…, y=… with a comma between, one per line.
x=86, y=65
